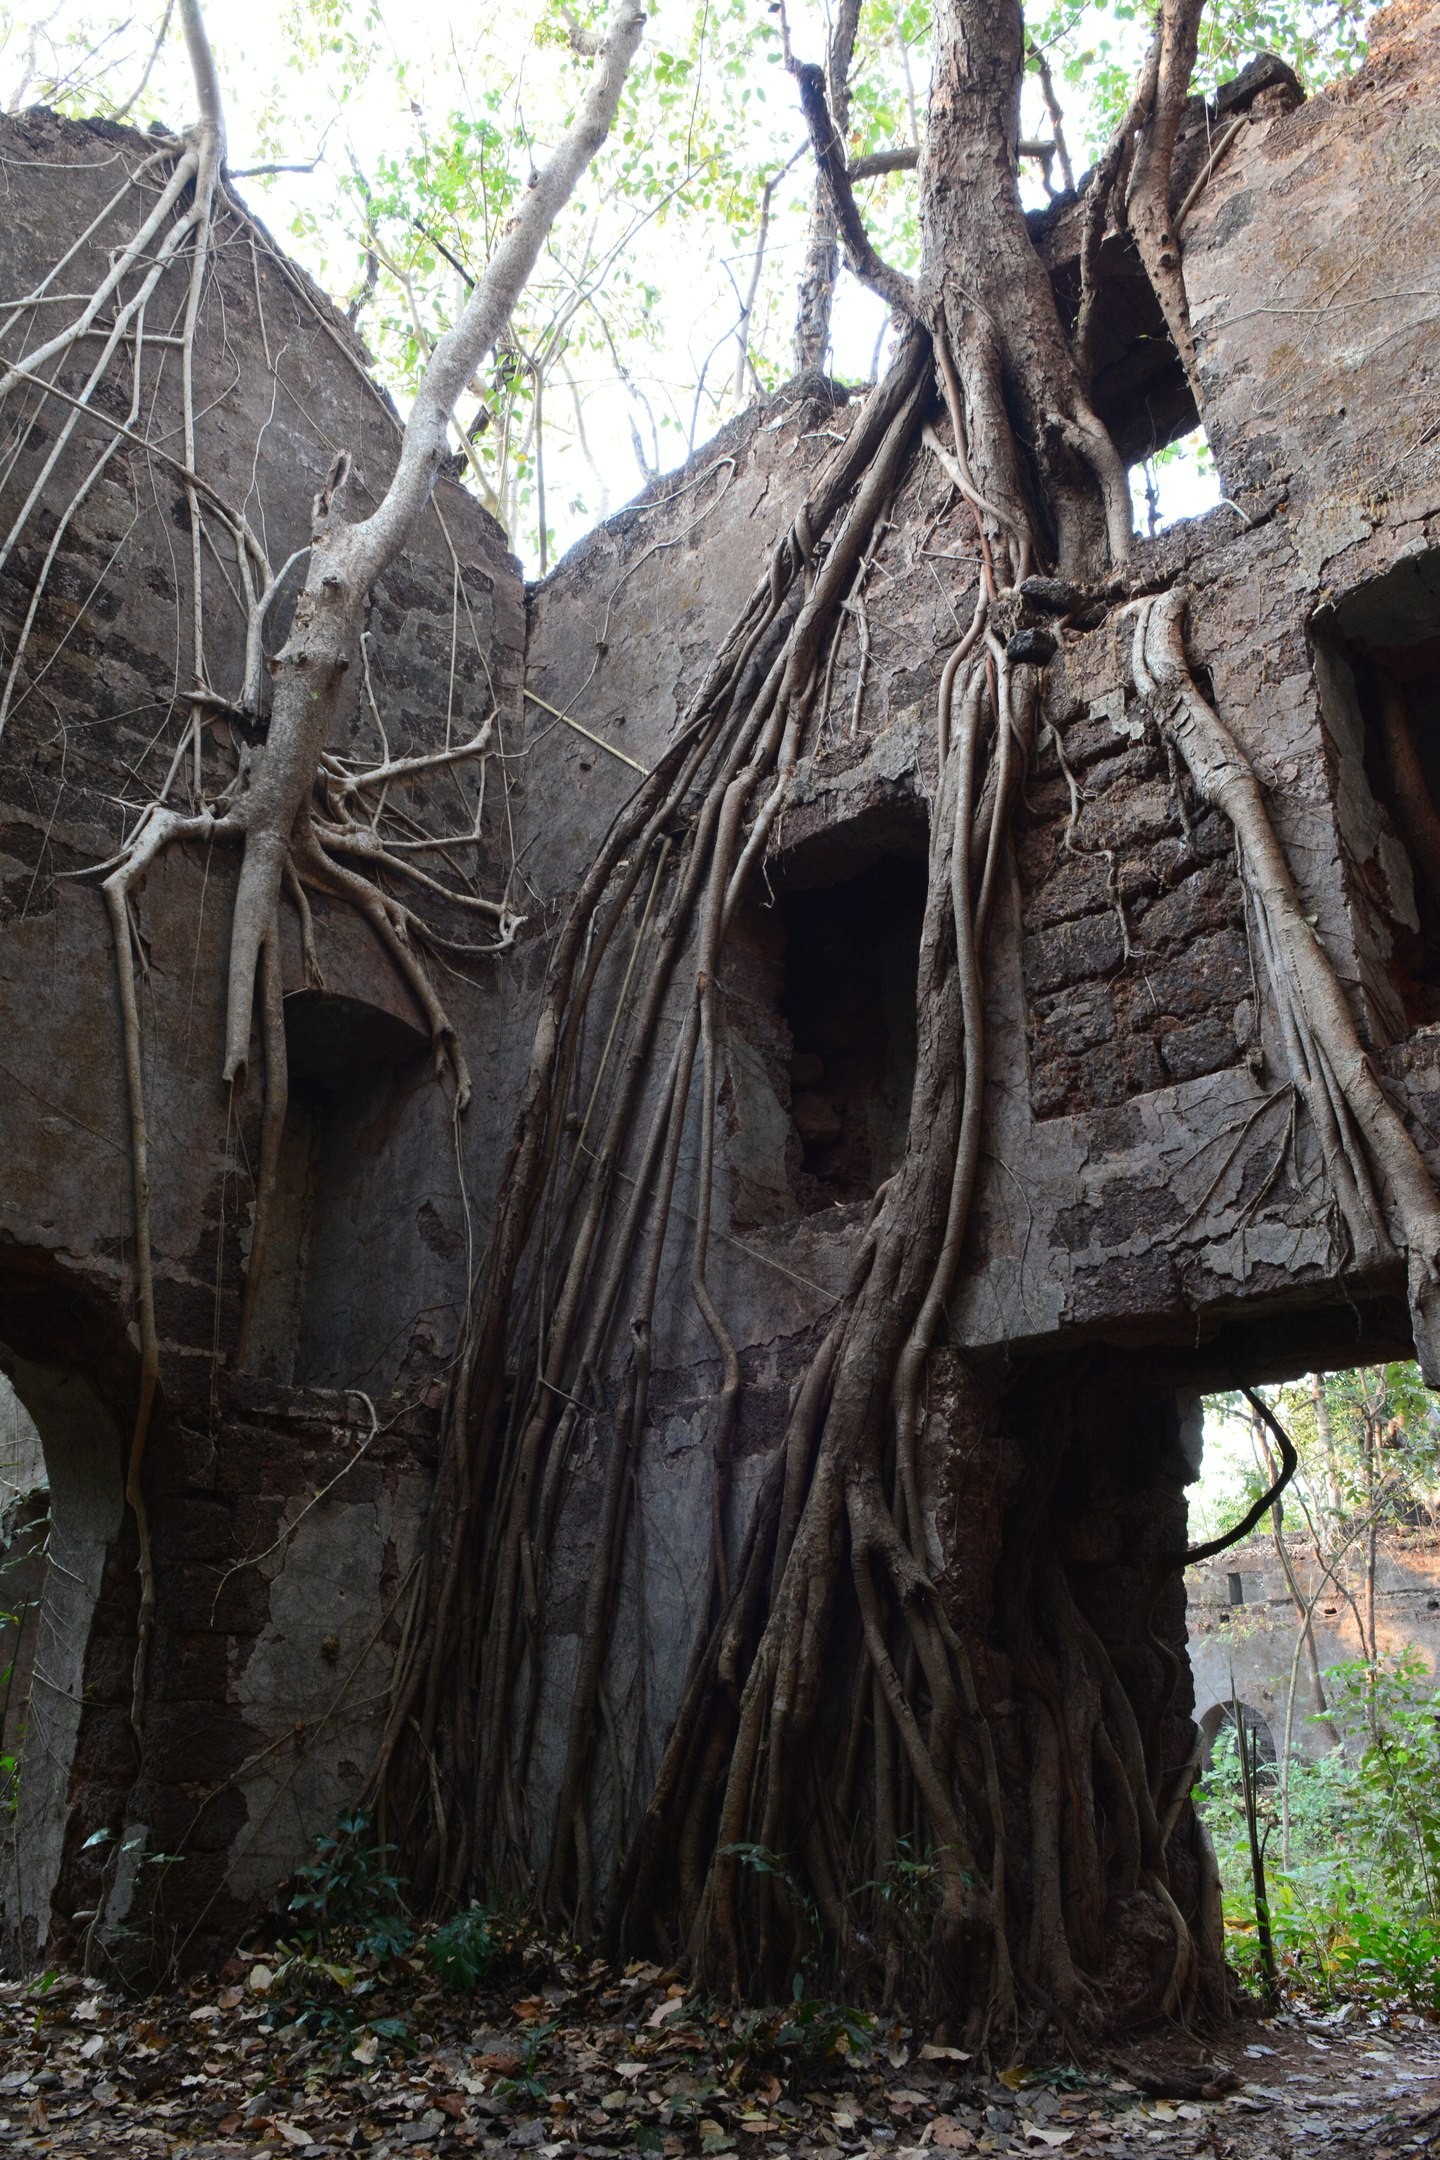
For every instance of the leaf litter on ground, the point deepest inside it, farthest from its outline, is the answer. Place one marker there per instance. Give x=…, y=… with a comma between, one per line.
x=561, y=2057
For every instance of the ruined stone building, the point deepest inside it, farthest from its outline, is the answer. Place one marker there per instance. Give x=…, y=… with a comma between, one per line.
x=1244, y=1623
x=1153, y=1218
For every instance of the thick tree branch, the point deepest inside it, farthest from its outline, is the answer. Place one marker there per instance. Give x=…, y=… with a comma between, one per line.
x=1148, y=200
x=345, y=560
x=462, y=349
x=879, y=162
x=906, y=156
x=817, y=279
x=202, y=67
x=892, y=286
x=1057, y=117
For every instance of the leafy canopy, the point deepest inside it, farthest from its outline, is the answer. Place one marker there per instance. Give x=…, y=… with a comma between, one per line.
x=417, y=129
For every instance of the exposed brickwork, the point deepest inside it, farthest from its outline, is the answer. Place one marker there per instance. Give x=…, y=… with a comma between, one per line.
x=1140, y=865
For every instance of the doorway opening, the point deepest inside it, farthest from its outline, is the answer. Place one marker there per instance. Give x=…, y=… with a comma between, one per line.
x=61, y=1515
x=1220, y=1718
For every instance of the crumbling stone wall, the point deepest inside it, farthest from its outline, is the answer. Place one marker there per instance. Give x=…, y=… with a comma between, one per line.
x=1137, y=969
x=1152, y=1215
x=1242, y=1626
x=284, y=1505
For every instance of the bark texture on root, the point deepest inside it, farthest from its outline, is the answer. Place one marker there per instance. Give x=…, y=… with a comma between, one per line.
x=877, y=1769
x=1385, y=1193
x=885, y=1764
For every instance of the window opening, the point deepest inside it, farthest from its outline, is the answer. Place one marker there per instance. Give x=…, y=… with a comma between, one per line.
x=851, y=953
x=1379, y=662
x=57, y=1533
x=1176, y=480
x=345, y=1058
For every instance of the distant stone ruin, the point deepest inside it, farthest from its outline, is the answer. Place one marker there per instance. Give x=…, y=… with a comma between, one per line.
x=1243, y=1625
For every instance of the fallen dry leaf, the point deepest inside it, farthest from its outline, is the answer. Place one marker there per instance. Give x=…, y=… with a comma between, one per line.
x=951, y=2136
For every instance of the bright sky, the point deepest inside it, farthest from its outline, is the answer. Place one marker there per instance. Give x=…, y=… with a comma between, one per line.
x=277, y=109
x=1229, y=1453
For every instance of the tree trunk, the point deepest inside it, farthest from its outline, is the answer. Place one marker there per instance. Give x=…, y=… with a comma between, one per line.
x=822, y=252
x=1326, y=1434
x=1052, y=474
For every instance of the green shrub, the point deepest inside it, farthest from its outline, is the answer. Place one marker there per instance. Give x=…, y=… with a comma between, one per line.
x=1357, y=1910
x=464, y=1950
x=349, y=1888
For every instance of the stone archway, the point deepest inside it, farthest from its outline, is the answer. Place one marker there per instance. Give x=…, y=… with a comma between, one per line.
x=70, y=1640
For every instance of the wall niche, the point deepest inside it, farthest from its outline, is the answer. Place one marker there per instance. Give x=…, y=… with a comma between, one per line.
x=1377, y=662
x=848, y=1000
x=820, y=1020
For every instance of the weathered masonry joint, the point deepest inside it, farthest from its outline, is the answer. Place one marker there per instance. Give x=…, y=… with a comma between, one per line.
x=1155, y=1211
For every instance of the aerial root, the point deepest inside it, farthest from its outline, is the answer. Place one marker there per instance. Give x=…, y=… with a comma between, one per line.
x=1386, y=1194
x=391, y=924
x=800, y=1780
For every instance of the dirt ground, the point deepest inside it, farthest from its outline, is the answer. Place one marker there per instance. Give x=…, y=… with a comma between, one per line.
x=575, y=2061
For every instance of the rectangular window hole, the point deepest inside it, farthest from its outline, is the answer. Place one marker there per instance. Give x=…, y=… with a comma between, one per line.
x=851, y=953
x=1381, y=660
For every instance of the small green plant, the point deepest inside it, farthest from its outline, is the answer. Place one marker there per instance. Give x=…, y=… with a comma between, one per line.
x=350, y=1890
x=910, y=1880
x=1357, y=1910
x=464, y=1951
x=804, y=2039
x=1396, y=1794
x=527, y=2083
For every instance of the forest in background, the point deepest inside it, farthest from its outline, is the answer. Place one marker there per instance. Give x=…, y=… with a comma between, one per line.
x=1331, y=1864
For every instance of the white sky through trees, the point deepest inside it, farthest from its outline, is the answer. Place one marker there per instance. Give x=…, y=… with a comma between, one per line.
x=428, y=112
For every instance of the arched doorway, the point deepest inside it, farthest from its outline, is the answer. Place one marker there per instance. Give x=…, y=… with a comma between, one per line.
x=1220, y=1718
x=62, y=1511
